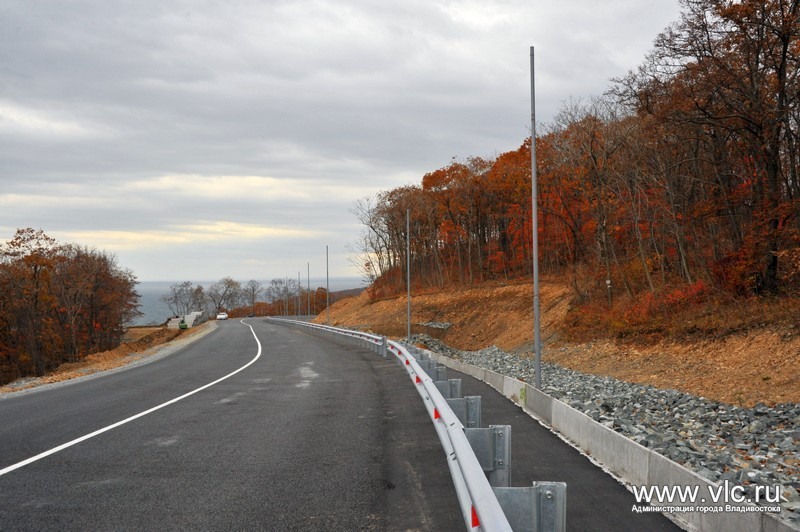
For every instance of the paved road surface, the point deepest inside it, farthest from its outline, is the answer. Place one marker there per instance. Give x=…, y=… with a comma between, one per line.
x=310, y=436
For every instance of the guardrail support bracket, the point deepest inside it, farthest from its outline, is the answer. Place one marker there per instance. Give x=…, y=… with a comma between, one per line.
x=540, y=508
x=450, y=389
x=467, y=410
x=492, y=447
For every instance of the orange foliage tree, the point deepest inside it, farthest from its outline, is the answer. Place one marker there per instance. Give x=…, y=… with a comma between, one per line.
x=684, y=175
x=58, y=303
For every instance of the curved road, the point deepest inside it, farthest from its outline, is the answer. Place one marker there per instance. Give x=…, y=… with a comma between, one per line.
x=311, y=435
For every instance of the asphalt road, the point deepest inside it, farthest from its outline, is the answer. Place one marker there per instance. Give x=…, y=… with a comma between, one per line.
x=310, y=435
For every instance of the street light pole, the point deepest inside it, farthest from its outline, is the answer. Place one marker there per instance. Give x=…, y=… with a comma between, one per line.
x=537, y=340
x=408, y=274
x=327, y=290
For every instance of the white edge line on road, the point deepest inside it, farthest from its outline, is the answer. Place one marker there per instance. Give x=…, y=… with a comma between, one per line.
x=76, y=441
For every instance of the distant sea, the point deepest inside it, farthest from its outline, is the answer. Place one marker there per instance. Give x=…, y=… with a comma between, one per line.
x=154, y=312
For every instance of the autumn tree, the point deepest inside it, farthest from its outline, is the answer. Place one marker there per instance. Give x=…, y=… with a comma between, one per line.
x=729, y=72
x=58, y=303
x=28, y=263
x=96, y=298
x=684, y=175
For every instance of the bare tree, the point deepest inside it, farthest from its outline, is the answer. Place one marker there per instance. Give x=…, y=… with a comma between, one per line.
x=224, y=294
x=250, y=292
x=180, y=298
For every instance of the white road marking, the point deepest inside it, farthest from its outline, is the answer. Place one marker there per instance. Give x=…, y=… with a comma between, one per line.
x=76, y=441
x=307, y=374
x=164, y=442
x=231, y=399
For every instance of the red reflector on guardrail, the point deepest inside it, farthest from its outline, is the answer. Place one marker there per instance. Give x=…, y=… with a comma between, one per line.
x=436, y=413
x=418, y=380
x=475, y=521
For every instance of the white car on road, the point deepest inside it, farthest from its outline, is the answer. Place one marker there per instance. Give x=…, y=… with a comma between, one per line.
x=222, y=316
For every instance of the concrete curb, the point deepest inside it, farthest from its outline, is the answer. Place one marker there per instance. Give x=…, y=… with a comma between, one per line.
x=633, y=463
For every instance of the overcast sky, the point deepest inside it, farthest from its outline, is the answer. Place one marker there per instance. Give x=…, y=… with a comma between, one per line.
x=202, y=139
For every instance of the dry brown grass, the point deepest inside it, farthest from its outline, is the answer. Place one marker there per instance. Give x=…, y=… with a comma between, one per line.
x=137, y=343
x=736, y=352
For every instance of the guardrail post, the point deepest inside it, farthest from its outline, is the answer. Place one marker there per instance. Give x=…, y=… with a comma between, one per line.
x=455, y=388
x=540, y=508
x=440, y=372
x=492, y=447
x=419, y=355
x=473, y=411
x=450, y=389
x=412, y=350
x=501, y=476
x=467, y=410
x=383, y=347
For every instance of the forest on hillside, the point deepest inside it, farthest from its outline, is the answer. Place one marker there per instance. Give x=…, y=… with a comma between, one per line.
x=58, y=303
x=681, y=180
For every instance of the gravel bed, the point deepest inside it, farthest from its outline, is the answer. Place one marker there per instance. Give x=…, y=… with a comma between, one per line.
x=746, y=446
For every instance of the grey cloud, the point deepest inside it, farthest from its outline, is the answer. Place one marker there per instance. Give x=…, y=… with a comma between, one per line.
x=367, y=95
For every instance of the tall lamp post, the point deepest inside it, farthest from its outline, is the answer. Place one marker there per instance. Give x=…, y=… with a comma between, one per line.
x=327, y=290
x=408, y=275
x=537, y=340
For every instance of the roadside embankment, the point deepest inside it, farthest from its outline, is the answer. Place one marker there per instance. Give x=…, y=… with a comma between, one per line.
x=143, y=345
x=744, y=369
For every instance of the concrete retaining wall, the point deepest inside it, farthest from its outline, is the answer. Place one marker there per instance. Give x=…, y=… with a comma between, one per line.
x=633, y=463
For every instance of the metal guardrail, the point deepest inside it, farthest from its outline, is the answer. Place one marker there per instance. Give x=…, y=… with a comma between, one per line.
x=479, y=505
x=540, y=508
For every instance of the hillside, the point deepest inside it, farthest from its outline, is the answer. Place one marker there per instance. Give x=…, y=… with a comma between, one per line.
x=744, y=368
x=138, y=344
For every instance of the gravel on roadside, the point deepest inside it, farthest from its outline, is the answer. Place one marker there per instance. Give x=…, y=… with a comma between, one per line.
x=746, y=446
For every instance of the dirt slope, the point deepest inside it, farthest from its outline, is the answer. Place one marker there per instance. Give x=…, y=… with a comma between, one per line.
x=759, y=366
x=137, y=343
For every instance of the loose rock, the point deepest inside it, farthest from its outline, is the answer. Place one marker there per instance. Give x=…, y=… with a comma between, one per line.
x=759, y=445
